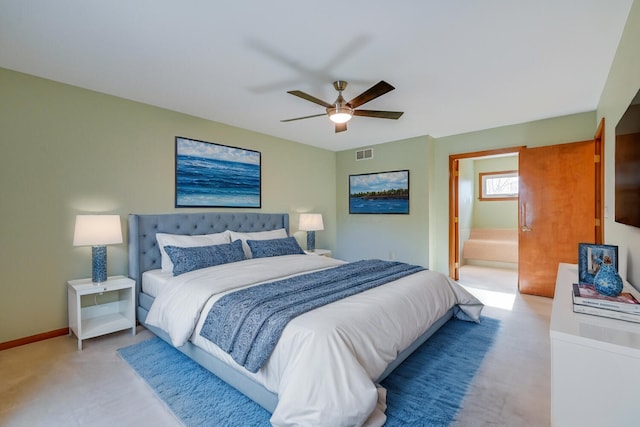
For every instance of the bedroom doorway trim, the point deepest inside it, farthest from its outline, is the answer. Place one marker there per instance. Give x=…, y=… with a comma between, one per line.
x=454, y=209
x=599, y=174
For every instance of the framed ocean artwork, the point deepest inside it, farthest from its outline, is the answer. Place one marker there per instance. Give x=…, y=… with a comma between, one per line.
x=216, y=176
x=379, y=193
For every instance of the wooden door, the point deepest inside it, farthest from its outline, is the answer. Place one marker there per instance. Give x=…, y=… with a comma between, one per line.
x=557, y=199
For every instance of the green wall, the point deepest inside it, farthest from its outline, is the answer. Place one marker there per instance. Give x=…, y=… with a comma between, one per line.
x=422, y=237
x=494, y=213
x=466, y=200
x=67, y=151
x=559, y=130
x=401, y=237
x=621, y=86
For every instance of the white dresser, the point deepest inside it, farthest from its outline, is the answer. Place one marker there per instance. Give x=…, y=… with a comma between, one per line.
x=595, y=364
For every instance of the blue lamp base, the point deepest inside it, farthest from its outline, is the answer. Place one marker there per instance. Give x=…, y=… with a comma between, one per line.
x=99, y=264
x=311, y=241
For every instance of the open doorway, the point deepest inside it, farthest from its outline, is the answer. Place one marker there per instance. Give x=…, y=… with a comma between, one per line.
x=488, y=221
x=465, y=192
x=553, y=209
x=484, y=220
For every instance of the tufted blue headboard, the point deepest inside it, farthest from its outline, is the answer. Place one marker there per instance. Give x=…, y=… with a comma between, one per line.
x=143, y=248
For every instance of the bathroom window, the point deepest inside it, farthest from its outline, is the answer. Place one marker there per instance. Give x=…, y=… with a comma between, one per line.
x=499, y=185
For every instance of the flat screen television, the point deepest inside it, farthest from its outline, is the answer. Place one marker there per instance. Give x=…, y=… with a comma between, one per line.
x=627, y=166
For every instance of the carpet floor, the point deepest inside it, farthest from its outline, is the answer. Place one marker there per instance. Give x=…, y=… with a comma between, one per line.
x=426, y=390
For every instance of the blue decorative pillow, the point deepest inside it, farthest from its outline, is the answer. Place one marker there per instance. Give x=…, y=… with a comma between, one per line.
x=195, y=258
x=274, y=247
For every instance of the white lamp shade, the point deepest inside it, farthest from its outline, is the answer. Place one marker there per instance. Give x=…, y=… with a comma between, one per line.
x=340, y=114
x=97, y=230
x=311, y=222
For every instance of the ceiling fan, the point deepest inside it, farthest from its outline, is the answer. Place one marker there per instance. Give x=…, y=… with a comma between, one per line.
x=340, y=112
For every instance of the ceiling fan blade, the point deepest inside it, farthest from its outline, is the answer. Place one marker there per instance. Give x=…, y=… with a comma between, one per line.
x=305, y=117
x=395, y=115
x=373, y=92
x=308, y=97
x=341, y=127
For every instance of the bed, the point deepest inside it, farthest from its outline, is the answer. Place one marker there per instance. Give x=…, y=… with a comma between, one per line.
x=326, y=366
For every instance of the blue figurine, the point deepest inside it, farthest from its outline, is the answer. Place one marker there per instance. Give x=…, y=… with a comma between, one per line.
x=607, y=280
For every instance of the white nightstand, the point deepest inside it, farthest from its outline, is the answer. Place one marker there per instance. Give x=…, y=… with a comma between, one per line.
x=320, y=252
x=100, y=319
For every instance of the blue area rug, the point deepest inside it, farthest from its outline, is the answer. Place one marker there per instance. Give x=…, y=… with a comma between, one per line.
x=426, y=390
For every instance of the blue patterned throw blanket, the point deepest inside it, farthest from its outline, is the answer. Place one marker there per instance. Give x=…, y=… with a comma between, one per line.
x=248, y=323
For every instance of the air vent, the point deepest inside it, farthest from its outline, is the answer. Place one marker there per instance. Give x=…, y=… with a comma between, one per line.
x=365, y=154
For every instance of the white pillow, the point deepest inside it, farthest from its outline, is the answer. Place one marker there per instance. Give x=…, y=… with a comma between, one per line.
x=256, y=235
x=187, y=241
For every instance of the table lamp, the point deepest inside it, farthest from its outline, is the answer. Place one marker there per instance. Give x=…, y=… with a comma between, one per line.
x=97, y=231
x=311, y=222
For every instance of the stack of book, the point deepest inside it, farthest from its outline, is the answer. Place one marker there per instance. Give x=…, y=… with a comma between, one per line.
x=589, y=301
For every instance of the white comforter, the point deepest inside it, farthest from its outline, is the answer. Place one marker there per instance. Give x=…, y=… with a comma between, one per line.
x=326, y=361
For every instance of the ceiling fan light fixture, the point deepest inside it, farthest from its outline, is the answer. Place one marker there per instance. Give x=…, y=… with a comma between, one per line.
x=340, y=114
x=341, y=111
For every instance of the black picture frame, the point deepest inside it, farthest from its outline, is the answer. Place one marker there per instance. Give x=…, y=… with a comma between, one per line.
x=210, y=175
x=379, y=193
x=587, y=254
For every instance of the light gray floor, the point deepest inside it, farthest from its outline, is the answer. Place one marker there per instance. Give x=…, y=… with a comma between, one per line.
x=51, y=383
x=512, y=387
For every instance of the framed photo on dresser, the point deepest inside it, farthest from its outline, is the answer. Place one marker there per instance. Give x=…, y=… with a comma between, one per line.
x=590, y=256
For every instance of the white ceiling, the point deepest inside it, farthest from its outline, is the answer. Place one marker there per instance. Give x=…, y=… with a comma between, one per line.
x=457, y=65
